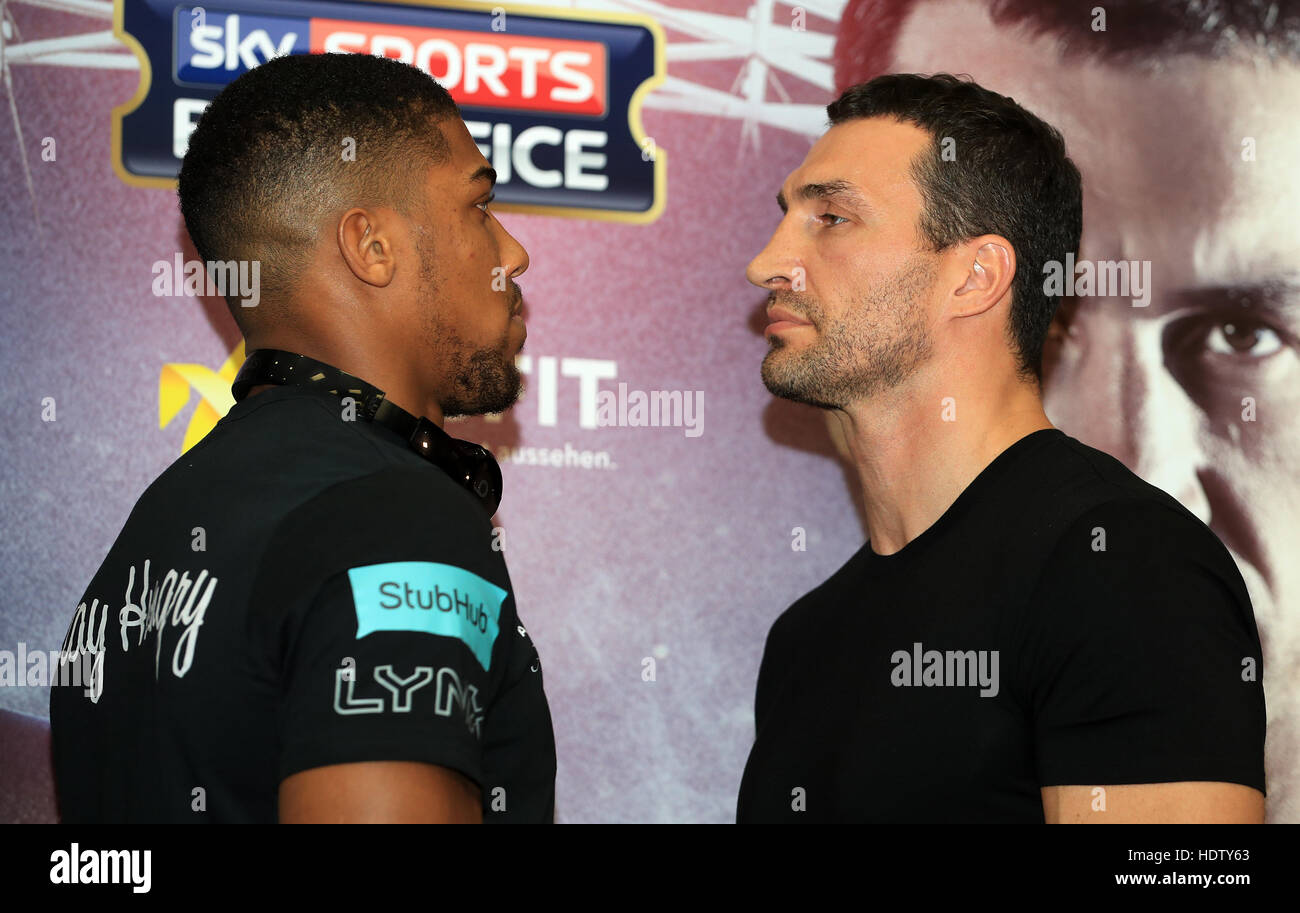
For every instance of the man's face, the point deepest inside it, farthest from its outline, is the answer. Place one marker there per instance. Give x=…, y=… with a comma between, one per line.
x=1197, y=392
x=470, y=307
x=847, y=275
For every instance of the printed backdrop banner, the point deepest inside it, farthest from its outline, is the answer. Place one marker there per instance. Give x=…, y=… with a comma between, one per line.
x=640, y=146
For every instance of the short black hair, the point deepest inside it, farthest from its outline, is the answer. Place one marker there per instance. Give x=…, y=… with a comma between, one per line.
x=294, y=139
x=1007, y=175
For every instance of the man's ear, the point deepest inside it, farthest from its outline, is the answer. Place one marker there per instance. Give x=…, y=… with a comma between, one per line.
x=366, y=245
x=990, y=264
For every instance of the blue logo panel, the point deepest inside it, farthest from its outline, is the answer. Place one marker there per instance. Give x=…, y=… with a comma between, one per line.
x=428, y=598
x=560, y=124
x=213, y=48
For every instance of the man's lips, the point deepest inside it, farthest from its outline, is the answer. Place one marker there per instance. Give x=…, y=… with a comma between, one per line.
x=779, y=318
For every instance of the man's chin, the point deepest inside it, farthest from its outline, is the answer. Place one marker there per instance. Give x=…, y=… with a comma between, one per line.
x=498, y=395
x=796, y=389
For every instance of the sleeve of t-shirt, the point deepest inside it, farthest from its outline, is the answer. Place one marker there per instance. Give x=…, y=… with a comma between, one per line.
x=1142, y=661
x=381, y=601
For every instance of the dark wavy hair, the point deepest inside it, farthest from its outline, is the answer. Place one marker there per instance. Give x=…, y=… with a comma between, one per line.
x=1008, y=175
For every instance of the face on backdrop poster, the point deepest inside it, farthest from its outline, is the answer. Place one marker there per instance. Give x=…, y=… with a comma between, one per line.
x=648, y=558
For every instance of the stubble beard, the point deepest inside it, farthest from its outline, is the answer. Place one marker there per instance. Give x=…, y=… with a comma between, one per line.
x=875, y=346
x=482, y=381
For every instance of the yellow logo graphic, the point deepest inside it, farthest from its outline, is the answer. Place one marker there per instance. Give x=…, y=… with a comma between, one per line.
x=174, y=387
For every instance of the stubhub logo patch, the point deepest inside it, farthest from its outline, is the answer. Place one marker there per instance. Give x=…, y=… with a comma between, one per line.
x=214, y=48
x=430, y=598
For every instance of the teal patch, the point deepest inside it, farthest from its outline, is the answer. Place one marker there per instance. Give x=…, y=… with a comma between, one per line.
x=430, y=598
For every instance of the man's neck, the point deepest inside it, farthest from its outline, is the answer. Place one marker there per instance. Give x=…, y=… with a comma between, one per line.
x=913, y=460
x=358, y=364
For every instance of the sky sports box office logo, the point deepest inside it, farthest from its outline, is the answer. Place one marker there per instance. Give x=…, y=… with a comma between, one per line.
x=553, y=99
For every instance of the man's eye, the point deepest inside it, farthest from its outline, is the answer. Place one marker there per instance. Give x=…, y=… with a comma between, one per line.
x=483, y=205
x=1229, y=334
x=824, y=217
x=1249, y=338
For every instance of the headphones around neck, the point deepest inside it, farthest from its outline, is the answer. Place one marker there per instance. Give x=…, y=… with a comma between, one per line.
x=470, y=465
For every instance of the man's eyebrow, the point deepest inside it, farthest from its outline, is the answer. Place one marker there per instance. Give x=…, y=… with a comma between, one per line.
x=1280, y=294
x=1277, y=296
x=826, y=190
x=485, y=171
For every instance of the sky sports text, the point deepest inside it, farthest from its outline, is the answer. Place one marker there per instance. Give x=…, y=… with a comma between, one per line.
x=479, y=69
x=78, y=866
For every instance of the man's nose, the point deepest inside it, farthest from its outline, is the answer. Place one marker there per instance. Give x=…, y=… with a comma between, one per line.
x=776, y=263
x=513, y=256
x=1111, y=390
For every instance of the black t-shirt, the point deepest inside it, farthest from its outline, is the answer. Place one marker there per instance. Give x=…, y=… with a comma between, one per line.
x=1062, y=623
x=298, y=590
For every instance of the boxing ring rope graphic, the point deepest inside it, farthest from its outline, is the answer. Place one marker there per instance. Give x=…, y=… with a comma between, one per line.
x=764, y=47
